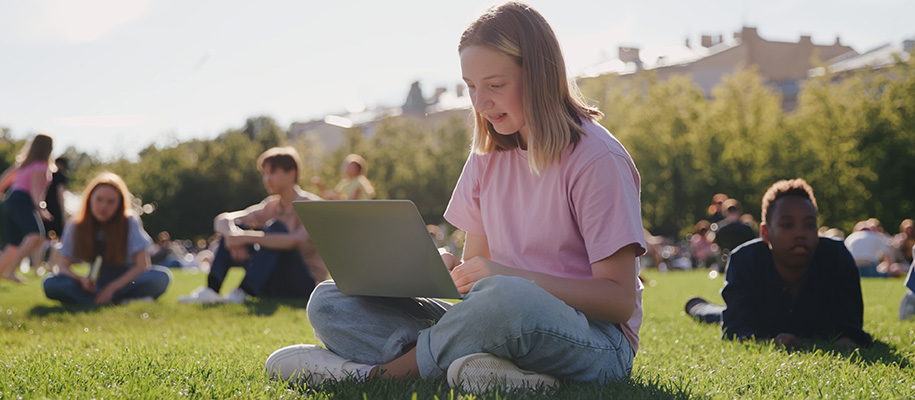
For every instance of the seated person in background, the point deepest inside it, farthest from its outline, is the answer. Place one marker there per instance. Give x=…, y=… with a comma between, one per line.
x=871, y=251
x=107, y=227
x=702, y=250
x=790, y=284
x=715, y=212
x=164, y=251
x=353, y=186
x=731, y=231
x=904, y=241
x=284, y=263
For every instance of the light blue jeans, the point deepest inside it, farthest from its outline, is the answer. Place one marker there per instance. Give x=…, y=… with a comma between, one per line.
x=151, y=283
x=509, y=317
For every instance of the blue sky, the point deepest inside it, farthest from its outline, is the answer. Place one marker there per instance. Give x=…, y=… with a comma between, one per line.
x=112, y=76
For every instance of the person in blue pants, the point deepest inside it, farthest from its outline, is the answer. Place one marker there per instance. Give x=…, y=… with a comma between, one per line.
x=267, y=239
x=109, y=230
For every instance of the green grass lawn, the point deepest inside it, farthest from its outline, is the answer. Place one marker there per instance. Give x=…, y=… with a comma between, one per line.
x=170, y=350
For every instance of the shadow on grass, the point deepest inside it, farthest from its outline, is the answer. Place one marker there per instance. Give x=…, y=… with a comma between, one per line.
x=267, y=307
x=438, y=388
x=46, y=311
x=878, y=353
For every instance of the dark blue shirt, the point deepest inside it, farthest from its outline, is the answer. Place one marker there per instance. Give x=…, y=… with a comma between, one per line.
x=828, y=304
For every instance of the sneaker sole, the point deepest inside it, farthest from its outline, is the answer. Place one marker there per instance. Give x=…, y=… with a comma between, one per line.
x=481, y=371
x=314, y=365
x=278, y=364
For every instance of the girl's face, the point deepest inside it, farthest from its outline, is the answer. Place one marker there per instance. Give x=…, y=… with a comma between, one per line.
x=351, y=170
x=103, y=202
x=496, y=85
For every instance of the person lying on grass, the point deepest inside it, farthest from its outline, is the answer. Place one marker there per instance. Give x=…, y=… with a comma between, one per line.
x=107, y=228
x=789, y=285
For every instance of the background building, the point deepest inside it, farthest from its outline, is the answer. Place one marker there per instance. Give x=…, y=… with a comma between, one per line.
x=781, y=64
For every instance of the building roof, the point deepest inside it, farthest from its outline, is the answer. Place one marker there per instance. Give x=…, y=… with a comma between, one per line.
x=656, y=57
x=880, y=57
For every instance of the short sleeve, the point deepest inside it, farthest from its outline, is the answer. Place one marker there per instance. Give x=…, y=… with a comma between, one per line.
x=137, y=238
x=606, y=206
x=464, y=208
x=66, y=245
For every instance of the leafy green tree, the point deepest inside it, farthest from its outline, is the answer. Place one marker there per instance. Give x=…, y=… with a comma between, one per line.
x=887, y=143
x=189, y=184
x=9, y=149
x=830, y=117
x=408, y=161
x=82, y=168
x=663, y=135
x=745, y=138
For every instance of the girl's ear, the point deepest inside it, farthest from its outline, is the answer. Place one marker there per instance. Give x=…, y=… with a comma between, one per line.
x=764, y=232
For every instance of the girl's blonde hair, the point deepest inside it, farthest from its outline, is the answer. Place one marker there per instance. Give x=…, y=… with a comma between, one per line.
x=553, y=106
x=355, y=158
x=87, y=227
x=38, y=149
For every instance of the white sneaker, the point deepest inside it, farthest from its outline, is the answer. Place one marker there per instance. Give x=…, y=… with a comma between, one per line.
x=237, y=296
x=907, y=306
x=146, y=299
x=478, y=372
x=203, y=295
x=305, y=363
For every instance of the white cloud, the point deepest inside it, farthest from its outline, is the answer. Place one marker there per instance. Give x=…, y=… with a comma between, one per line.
x=67, y=21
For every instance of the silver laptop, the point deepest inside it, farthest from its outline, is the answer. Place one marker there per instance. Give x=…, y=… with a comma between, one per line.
x=377, y=248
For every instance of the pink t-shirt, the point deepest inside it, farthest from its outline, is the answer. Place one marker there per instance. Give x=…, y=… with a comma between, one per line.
x=23, y=179
x=558, y=223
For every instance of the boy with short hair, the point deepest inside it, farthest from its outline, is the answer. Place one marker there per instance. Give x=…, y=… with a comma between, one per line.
x=284, y=262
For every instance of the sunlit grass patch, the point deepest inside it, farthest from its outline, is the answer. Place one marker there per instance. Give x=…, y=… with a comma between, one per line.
x=170, y=350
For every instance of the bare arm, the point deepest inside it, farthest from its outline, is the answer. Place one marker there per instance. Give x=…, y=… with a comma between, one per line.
x=608, y=296
x=277, y=241
x=7, y=178
x=225, y=223
x=64, y=269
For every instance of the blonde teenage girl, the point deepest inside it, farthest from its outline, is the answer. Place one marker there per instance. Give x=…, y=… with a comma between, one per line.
x=550, y=203
x=353, y=186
